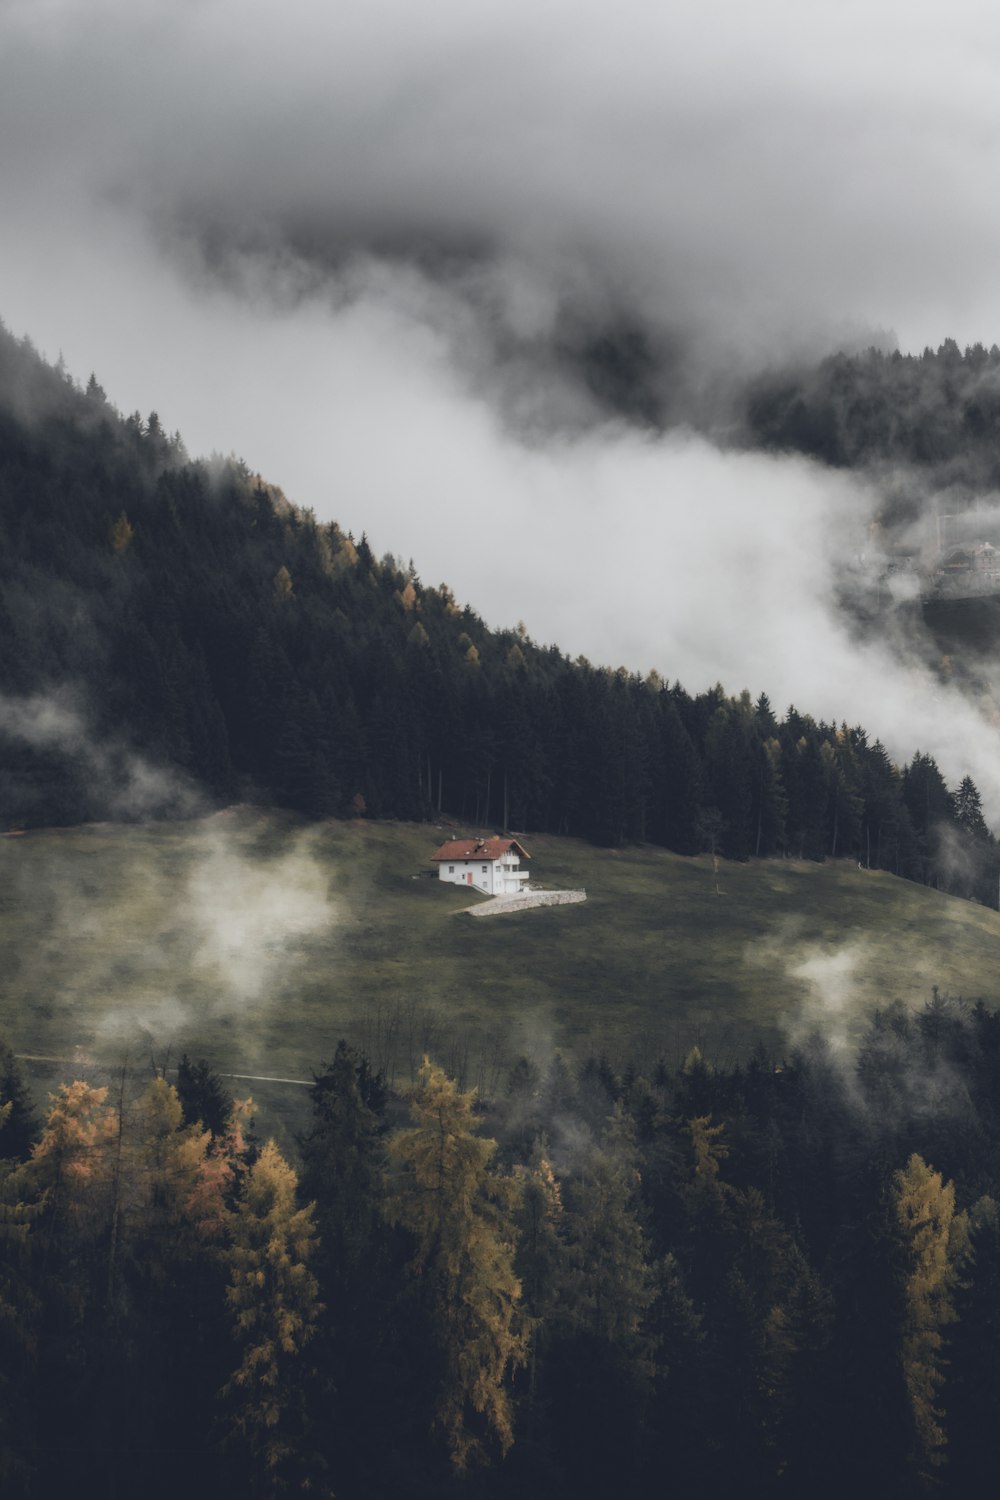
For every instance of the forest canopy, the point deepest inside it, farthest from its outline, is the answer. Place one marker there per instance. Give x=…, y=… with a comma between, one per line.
x=779, y=1276
x=175, y=635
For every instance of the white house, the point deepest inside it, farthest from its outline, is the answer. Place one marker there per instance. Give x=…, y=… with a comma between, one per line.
x=490, y=865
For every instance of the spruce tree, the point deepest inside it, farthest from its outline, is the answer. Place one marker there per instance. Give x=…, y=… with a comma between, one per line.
x=600, y=1371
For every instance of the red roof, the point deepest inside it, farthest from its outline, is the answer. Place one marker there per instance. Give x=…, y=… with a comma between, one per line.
x=484, y=849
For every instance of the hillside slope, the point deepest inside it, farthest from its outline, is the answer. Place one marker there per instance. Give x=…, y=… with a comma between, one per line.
x=256, y=940
x=175, y=636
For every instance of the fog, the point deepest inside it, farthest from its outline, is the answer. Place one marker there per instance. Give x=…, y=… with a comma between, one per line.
x=121, y=783
x=187, y=935
x=372, y=250
x=762, y=170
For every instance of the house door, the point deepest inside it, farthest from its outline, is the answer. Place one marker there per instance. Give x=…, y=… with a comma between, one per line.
x=469, y=877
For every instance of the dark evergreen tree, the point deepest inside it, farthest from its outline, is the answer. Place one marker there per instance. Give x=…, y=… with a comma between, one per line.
x=204, y=1098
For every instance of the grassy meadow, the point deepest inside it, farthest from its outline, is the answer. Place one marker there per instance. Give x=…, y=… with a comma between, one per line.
x=255, y=941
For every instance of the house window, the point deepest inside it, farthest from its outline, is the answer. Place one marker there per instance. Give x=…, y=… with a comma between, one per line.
x=484, y=869
x=451, y=869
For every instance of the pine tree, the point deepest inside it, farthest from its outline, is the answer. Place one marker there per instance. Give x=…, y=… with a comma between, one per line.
x=541, y=1262
x=731, y=770
x=362, y=1347
x=886, y=829
x=204, y=1098
x=969, y=809
x=342, y=1159
x=973, y=1386
x=770, y=800
x=844, y=802
x=931, y=808
x=613, y=1283
x=600, y=1372
x=20, y=1126
x=19, y=1307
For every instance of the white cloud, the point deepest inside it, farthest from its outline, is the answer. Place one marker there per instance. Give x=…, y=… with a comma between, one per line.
x=306, y=235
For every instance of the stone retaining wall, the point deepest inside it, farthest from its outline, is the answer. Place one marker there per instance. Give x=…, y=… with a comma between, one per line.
x=500, y=904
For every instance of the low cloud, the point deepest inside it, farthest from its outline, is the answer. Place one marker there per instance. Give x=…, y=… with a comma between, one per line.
x=832, y=1006
x=120, y=783
x=197, y=937
x=247, y=918
x=730, y=171
x=439, y=274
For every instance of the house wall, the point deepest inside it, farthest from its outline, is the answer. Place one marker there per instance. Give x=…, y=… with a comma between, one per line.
x=457, y=872
x=494, y=876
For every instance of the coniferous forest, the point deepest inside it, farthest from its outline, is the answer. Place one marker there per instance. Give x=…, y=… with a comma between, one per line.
x=937, y=410
x=780, y=1276
x=175, y=634
x=780, y=1279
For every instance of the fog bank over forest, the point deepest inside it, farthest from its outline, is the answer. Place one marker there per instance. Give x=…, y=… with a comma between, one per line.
x=467, y=283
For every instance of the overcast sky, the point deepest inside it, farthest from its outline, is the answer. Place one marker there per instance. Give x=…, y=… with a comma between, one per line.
x=348, y=242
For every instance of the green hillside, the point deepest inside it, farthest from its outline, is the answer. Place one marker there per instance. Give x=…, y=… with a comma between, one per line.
x=256, y=940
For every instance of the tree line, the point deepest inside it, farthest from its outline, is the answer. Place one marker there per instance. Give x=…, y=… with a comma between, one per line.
x=162, y=615
x=937, y=411
x=781, y=1276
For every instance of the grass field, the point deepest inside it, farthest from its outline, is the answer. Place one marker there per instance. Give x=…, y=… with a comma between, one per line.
x=255, y=941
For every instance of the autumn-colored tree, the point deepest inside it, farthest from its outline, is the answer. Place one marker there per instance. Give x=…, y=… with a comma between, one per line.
x=126, y=1206
x=709, y=1150
x=459, y=1212
x=68, y=1178
x=274, y=1305
x=935, y=1240
x=121, y=534
x=283, y=587
x=178, y=1181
